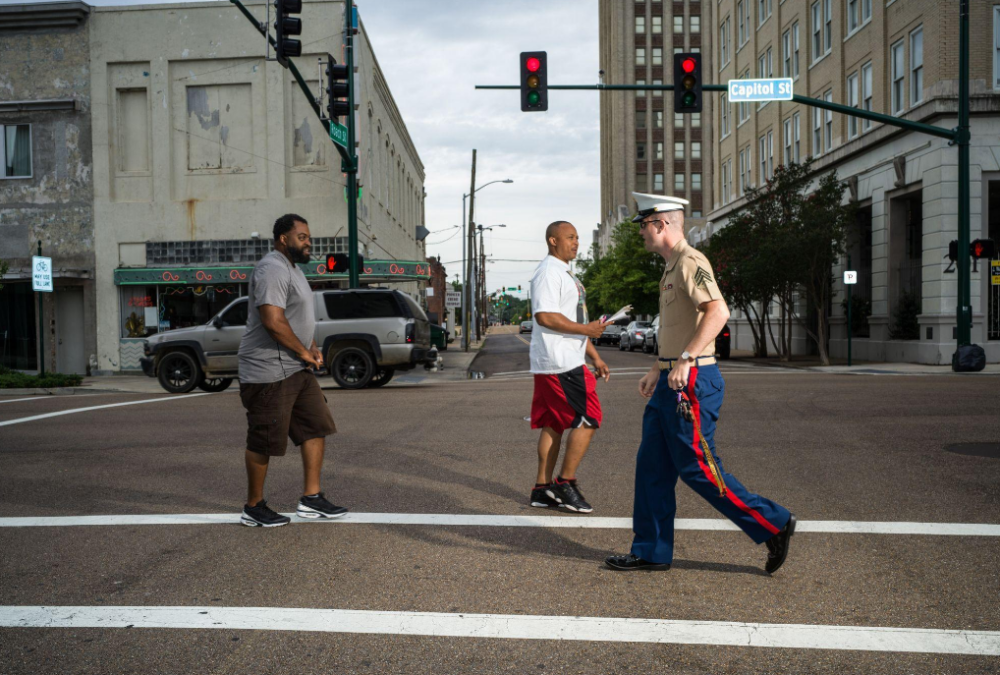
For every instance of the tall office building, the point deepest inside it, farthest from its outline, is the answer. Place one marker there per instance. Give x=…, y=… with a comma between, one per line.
x=645, y=147
x=897, y=57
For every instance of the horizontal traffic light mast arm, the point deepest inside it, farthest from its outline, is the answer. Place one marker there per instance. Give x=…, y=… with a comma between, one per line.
x=298, y=77
x=949, y=134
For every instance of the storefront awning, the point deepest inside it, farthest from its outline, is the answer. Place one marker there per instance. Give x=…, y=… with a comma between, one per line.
x=374, y=271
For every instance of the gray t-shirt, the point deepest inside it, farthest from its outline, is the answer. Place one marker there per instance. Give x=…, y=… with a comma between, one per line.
x=276, y=281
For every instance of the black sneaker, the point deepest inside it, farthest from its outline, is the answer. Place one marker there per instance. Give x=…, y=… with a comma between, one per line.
x=262, y=516
x=318, y=507
x=567, y=494
x=541, y=499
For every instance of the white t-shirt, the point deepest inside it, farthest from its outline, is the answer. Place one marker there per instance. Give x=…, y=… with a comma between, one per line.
x=554, y=289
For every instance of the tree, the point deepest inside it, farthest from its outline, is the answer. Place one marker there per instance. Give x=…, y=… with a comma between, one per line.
x=627, y=274
x=3, y=271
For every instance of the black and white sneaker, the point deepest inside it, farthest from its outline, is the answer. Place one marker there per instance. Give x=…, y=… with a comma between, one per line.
x=541, y=499
x=568, y=494
x=262, y=516
x=316, y=506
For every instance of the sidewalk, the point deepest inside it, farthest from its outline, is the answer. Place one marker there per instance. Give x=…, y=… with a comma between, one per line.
x=840, y=367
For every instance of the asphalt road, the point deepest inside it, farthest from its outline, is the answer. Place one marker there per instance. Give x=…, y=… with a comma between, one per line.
x=830, y=447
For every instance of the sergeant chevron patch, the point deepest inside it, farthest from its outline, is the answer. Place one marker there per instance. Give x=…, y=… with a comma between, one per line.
x=702, y=278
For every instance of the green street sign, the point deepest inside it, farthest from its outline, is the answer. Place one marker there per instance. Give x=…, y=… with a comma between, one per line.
x=338, y=134
x=512, y=288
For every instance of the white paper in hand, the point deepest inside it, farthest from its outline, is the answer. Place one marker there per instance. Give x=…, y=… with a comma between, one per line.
x=620, y=314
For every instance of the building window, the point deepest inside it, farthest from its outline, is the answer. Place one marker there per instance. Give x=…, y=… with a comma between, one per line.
x=797, y=135
x=828, y=121
x=866, y=10
x=640, y=151
x=770, y=154
x=641, y=183
x=795, y=50
x=866, y=93
x=765, y=69
x=788, y=140
x=657, y=25
x=679, y=182
x=724, y=113
x=786, y=54
x=764, y=8
x=657, y=183
x=762, y=153
x=743, y=108
x=657, y=56
x=678, y=150
x=695, y=24
x=817, y=31
x=729, y=177
x=658, y=119
x=640, y=92
x=748, y=168
x=678, y=50
x=852, y=101
x=742, y=180
x=678, y=25
x=741, y=24
x=640, y=24
x=695, y=182
x=827, y=26
x=917, y=66
x=724, y=43
x=817, y=132
x=658, y=92
x=15, y=148
x=696, y=119
x=678, y=120
x=696, y=150
x=659, y=150
x=853, y=15
x=640, y=56
x=696, y=214
x=996, y=47
x=725, y=182
x=896, y=76
x=640, y=119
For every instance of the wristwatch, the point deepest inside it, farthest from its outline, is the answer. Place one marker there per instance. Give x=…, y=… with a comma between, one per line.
x=686, y=356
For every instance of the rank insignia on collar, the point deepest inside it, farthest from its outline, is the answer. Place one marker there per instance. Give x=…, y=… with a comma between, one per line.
x=702, y=278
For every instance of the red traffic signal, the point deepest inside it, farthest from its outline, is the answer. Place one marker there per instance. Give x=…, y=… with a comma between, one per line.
x=983, y=248
x=340, y=263
x=688, y=65
x=687, y=83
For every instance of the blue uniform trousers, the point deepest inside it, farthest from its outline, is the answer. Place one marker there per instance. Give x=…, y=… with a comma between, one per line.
x=669, y=450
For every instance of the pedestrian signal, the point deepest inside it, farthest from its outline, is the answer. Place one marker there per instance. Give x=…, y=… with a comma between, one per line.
x=534, y=82
x=286, y=25
x=340, y=263
x=983, y=248
x=687, y=83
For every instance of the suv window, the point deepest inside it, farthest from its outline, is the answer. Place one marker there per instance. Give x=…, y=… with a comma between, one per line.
x=237, y=315
x=415, y=310
x=360, y=305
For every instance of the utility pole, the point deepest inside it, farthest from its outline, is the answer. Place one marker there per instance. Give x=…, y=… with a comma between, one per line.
x=350, y=162
x=469, y=246
x=964, y=308
x=484, y=313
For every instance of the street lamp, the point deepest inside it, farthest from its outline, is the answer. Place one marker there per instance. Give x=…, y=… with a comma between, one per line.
x=467, y=263
x=481, y=277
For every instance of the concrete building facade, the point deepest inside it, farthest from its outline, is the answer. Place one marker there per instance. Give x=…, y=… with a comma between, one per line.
x=895, y=57
x=46, y=185
x=645, y=147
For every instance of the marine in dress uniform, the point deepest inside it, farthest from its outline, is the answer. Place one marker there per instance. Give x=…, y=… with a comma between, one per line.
x=686, y=389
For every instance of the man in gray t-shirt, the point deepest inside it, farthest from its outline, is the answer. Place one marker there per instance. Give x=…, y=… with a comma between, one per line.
x=277, y=387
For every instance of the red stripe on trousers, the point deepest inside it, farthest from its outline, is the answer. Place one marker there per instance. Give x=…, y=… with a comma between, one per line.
x=696, y=409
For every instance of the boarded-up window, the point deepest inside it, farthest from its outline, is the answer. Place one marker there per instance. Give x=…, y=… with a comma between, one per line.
x=220, y=127
x=133, y=130
x=308, y=142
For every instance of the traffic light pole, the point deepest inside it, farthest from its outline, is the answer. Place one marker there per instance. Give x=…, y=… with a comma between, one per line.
x=349, y=159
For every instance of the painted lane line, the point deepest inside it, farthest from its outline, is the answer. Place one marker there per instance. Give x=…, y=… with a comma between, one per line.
x=98, y=407
x=516, y=627
x=552, y=522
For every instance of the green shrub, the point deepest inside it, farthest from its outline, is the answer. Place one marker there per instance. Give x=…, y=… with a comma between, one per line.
x=905, y=325
x=14, y=380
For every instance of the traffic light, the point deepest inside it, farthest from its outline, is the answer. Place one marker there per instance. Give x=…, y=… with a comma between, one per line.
x=687, y=83
x=519, y=288
x=534, y=82
x=286, y=25
x=340, y=263
x=338, y=85
x=983, y=248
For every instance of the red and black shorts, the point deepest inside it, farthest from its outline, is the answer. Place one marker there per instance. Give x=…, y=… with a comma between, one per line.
x=566, y=401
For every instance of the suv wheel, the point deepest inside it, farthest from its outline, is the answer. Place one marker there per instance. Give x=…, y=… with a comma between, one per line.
x=381, y=377
x=352, y=368
x=215, y=384
x=179, y=373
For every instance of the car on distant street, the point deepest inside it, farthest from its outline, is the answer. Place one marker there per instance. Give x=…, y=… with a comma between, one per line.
x=723, y=343
x=610, y=336
x=633, y=335
x=365, y=336
x=526, y=326
x=649, y=340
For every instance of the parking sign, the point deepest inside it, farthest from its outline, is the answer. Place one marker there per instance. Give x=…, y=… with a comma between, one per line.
x=850, y=277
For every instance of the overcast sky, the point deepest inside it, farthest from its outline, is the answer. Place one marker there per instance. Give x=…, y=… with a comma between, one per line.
x=433, y=53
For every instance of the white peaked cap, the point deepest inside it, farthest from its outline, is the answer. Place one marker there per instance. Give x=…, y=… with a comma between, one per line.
x=649, y=204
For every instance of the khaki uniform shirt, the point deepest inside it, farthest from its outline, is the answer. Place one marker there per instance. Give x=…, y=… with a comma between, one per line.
x=688, y=281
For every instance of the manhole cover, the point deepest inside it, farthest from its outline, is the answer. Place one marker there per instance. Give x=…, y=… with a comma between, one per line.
x=975, y=449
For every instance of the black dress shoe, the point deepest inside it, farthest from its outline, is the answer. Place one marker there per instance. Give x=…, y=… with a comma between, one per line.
x=629, y=562
x=777, y=547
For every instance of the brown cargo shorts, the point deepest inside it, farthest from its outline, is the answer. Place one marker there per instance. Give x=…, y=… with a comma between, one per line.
x=291, y=408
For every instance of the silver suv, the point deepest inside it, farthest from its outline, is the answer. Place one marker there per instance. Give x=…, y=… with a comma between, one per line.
x=366, y=335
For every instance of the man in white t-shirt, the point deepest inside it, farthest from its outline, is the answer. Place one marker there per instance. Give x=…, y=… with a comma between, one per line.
x=565, y=389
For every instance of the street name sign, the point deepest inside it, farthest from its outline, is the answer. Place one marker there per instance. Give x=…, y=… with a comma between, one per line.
x=452, y=299
x=772, y=89
x=41, y=274
x=338, y=134
x=850, y=277
x=512, y=288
